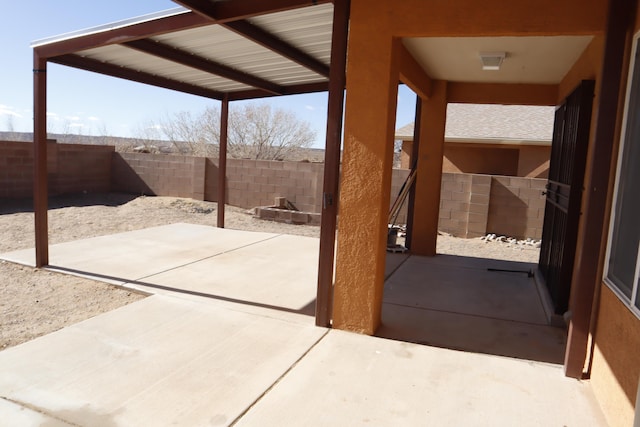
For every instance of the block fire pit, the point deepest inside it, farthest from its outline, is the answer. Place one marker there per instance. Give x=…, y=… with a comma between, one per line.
x=284, y=211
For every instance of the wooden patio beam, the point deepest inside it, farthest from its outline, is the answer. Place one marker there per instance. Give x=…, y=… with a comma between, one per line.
x=267, y=40
x=232, y=14
x=324, y=298
x=136, y=76
x=181, y=21
x=173, y=54
x=587, y=276
x=40, y=180
x=502, y=93
x=233, y=10
x=414, y=162
x=286, y=90
x=222, y=160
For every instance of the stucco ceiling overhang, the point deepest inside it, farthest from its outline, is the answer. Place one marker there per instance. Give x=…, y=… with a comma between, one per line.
x=529, y=60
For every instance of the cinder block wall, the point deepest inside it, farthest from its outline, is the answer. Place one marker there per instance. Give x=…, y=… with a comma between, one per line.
x=474, y=205
x=516, y=207
x=80, y=168
x=455, y=191
x=252, y=183
x=464, y=204
x=70, y=167
x=16, y=169
x=470, y=206
x=479, y=199
x=159, y=175
x=398, y=178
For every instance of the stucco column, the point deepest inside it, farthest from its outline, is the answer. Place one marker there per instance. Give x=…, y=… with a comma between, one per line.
x=429, y=177
x=372, y=88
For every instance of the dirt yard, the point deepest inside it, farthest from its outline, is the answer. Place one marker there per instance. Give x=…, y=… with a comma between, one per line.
x=36, y=302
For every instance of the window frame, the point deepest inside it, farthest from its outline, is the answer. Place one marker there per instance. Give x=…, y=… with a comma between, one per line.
x=629, y=302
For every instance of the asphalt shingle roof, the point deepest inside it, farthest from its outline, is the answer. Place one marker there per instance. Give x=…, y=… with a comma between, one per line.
x=491, y=122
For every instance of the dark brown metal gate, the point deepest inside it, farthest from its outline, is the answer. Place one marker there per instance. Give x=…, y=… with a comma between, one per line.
x=564, y=193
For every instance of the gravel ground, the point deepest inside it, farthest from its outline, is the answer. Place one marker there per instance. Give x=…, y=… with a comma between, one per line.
x=36, y=302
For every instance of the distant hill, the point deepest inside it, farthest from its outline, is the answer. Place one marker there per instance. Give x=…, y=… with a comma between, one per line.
x=156, y=146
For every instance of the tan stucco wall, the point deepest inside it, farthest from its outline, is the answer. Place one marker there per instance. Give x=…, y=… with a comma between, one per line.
x=616, y=361
x=480, y=160
x=405, y=154
x=533, y=161
x=372, y=75
x=587, y=67
x=524, y=161
x=375, y=65
x=615, y=370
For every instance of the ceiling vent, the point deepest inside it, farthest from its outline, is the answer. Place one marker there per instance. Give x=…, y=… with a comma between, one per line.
x=492, y=60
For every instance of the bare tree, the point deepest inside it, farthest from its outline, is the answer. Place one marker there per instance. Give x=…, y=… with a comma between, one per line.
x=104, y=137
x=258, y=131
x=210, y=127
x=191, y=134
x=11, y=134
x=145, y=136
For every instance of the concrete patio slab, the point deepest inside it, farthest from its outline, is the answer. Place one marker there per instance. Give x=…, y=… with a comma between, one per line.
x=18, y=415
x=473, y=333
x=349, y=379
x=141, y=253
x=278, y=273
x=468, y=288
x=248, y=271
x=393, y=261
x=455, y=302
x=160, y=361
x=229, y=340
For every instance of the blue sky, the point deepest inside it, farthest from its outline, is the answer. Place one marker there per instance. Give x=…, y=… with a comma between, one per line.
x=86, y=103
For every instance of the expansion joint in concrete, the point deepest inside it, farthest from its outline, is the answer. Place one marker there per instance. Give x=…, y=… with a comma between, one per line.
x=279, y=379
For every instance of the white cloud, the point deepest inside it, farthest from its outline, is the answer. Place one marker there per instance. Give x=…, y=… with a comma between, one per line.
x=73, y=118
x=94, y=118
x=53, y=116
x=76, y=125
x=310, y=107
x=5, y=110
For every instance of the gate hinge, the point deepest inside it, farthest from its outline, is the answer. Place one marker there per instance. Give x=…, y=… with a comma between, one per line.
x=327, y=200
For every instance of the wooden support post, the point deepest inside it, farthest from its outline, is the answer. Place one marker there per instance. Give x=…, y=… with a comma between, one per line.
x=586, y=271
x=222, y=160
x=337, y=81
x=40, y=191
x=412, y=164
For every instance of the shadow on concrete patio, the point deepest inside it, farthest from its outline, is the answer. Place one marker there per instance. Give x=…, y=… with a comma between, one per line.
x=151, y=288
x=462, y=303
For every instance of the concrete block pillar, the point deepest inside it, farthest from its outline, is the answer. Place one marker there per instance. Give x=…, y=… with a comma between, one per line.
x=479, y=197
x=429, y=177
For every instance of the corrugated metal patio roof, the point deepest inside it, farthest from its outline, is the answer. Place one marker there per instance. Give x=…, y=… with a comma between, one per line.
x=225, y=50
x=235, y=49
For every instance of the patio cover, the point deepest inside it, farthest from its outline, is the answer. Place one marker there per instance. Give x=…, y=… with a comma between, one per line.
x=252, y=50
x=224, y=50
